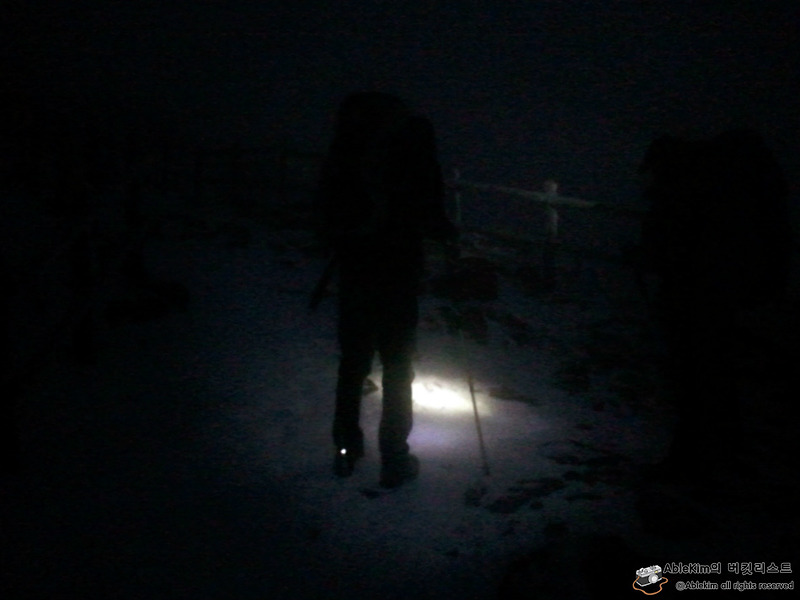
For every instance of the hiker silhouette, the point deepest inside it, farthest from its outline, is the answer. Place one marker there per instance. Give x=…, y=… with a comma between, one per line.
x=380, y=195
x=717, y=236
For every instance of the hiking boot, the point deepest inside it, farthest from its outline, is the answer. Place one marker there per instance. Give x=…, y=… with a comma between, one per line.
x=398, y=470
x=344, y=461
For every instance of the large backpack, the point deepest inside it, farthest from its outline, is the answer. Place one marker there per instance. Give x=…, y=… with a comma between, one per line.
x=381, y=182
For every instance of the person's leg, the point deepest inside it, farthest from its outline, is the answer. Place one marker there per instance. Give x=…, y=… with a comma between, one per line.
x=397, y=417
x=396, y=344
x=719, y=395
x=680, y=330
x=356, y=343
x=708, y=427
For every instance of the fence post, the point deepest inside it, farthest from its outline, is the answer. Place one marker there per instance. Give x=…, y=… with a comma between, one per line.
x=10, y=381
x=457, y=196
x=199, y=174
x=551, y=237
x=235, y=173
x=283, y=170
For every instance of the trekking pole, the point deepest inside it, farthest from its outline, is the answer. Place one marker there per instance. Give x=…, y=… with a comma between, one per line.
x=471, y=384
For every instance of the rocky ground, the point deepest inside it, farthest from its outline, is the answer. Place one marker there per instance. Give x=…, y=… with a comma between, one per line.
x=192, y=459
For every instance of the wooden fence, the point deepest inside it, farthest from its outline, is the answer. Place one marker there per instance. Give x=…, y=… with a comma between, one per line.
x=551, y=203
x=75, y=256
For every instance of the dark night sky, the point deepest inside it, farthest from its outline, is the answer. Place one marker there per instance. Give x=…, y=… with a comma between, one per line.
x=519, y=91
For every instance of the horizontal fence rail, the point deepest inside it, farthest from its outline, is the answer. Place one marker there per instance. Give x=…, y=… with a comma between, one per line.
x=550, y=202
x=549, y=197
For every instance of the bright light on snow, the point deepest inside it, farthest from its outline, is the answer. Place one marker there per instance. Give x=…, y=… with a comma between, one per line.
x=437, y=395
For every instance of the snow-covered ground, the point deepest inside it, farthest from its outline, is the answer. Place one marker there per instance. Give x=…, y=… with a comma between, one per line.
x=194, y=460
